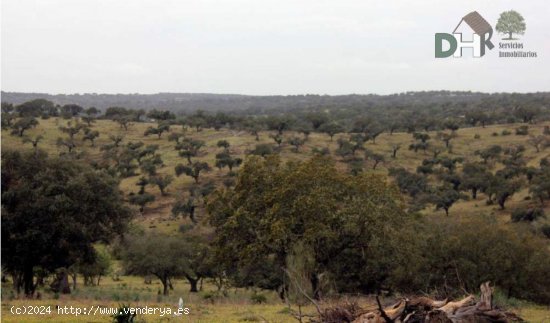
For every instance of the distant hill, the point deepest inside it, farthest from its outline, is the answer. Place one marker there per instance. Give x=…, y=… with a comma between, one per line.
x=186, y=102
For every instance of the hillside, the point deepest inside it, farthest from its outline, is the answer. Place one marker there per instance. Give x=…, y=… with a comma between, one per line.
x=157, y=216
x=464, y=145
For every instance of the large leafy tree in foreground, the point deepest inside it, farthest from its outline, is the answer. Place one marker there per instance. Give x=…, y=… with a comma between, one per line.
x=347, y=225
x=52, y=211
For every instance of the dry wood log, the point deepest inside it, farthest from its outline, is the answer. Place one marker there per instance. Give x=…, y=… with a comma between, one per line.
x=392, y=313
x=426, y=310
x=451, y=307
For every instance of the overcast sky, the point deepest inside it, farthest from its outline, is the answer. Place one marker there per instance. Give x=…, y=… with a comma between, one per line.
x=259, y=46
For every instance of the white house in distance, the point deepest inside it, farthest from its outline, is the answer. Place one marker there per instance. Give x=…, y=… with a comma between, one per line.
x=471, y=32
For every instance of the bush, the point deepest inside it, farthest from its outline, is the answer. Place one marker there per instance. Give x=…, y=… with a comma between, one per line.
x=209, y=296
x=475, y=251
x=185, y=227
x=505, y=132
x=258, y=299
x=527, y=214
x=321, y=151
x=477, y=136
x=262, y=150
x=522, y=131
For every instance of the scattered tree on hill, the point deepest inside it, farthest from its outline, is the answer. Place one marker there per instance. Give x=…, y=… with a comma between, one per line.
x=223, y=144
x=68, y=143
x=539, y=142
x=71, y=110
x=141, y=200
x=446, y=137
x=475, y=178
x=22, y=125
x=444, y=198
x=123, y=121
x=161, y=182
x=33, y=141
x=297, y=142
x=394, y=149
x=35, y=108
x=192, y=170
x=159, y=130
x=375, y=157
x=262, y=150
x=90, y=135
x=189, y=148
x=224, y=159
x=501, y=189
x=331, y=129
x=492, y=152
x=278, y=138
x=186, y=207
x=161, y=115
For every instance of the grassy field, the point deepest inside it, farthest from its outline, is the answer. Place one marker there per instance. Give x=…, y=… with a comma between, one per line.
x=238, y=307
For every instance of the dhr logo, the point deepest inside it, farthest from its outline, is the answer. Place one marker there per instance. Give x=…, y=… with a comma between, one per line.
x=474, y=24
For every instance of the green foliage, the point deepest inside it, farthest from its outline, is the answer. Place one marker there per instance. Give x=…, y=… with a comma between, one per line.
x=463, y=254
x=444, y=198
x=262, y=150
x=101, y=266
x=141, y=200
x=275, y=206
x=224, y=159
x=186, y=207
x=22, y=125
x=296, y=142
x=162, y=182
x=331, y=129
x=192, y=170
x=52, y=212
x=167, y=257
x=158, y=130
x=258, y=299
x=189, y=147
x=529, y=215
x=36, y=108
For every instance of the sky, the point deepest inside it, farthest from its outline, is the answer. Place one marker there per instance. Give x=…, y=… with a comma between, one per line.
x=259, y=47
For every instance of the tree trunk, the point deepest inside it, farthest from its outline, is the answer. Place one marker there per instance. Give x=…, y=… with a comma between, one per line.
x=74, y=280
x=315, y=286
x=17, y=282
x=164, y=281
x=28, y=284
x=193, y=282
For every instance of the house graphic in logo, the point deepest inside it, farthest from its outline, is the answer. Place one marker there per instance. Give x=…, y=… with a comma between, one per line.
x=473, y=31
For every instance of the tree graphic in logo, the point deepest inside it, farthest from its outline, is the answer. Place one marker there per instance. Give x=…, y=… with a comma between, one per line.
x=510, y=22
